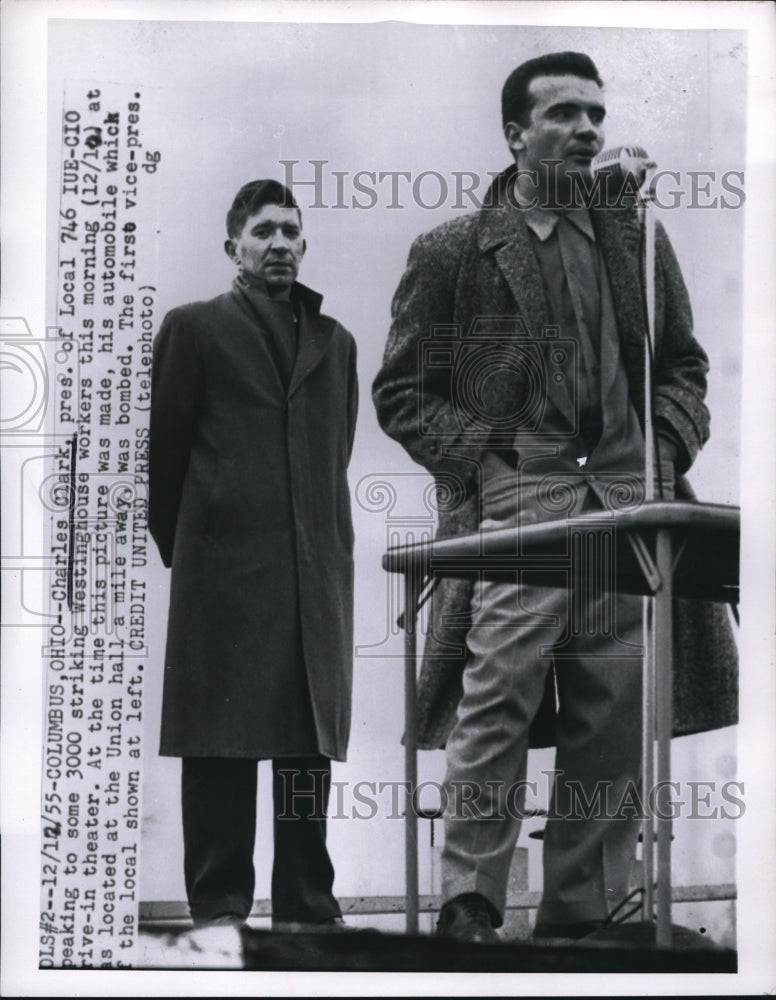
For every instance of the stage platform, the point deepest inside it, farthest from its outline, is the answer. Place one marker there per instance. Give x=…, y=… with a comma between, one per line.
x=629, y=948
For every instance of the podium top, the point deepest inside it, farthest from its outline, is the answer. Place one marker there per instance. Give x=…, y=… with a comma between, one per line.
x=705, y=538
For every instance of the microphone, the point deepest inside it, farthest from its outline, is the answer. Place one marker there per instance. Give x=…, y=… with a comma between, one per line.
x=623, y=162
x=622, y=167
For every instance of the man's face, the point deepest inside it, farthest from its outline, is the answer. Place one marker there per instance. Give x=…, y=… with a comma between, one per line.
x=270, y=246
x=566, y=124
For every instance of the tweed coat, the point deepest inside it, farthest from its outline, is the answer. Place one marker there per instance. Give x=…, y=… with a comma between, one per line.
x=250, y=506
x=483, y=265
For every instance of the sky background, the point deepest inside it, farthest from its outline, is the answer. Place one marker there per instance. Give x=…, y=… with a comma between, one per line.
x=225, y=103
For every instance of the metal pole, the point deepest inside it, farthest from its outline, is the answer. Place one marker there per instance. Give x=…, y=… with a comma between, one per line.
x=664, y=699
x=648, y=761
x=648, y=222
x=410, y=750
x=650, y=636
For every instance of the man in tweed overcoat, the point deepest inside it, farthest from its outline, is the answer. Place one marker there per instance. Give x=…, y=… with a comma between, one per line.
x=514, y=373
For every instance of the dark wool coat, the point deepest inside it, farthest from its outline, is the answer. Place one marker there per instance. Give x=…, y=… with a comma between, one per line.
x=250, y=506
x=483, y=265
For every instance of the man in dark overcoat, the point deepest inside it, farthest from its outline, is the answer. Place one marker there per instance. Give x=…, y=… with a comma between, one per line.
x=514, y=372
x=252, y=421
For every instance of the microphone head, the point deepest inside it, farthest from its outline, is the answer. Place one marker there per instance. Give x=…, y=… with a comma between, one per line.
x=622, y=162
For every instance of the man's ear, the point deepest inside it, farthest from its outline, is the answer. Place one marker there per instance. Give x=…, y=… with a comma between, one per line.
x=230, y=250
x=304, y=247
x=513, y=133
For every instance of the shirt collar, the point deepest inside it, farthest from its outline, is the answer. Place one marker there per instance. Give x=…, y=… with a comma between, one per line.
x=542, y=221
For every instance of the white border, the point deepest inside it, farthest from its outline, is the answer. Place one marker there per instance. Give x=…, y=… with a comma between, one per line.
x=23, y=213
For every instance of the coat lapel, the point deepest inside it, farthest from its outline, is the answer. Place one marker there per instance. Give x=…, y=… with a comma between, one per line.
x=314, y=335
x=504, y=233
x=618, y=237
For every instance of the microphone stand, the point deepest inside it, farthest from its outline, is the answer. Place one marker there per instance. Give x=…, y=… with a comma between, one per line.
x=647, y=224
x=657, y=694
x=657, y=680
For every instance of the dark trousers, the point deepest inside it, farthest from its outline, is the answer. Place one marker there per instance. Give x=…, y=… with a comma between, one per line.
x=219, y=829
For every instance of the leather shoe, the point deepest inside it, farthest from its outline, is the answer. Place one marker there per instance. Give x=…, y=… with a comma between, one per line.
x=331, y=925
x=222, y=920
x=573, y=931
x=468, y=917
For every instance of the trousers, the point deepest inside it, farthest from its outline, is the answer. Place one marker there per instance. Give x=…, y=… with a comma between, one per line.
x=593, y=640
x=218, y=797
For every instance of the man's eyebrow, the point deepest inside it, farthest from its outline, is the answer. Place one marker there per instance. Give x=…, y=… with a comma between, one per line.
x=268, y=224
x=564, y=105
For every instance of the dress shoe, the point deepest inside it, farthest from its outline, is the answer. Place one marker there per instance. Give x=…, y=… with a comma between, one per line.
x=468, y=917
x=222, y=920
x=331, y=925
x=568, y=931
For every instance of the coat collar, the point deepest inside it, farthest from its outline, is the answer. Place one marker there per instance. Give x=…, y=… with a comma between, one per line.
x=312, y=299
x=314, y=331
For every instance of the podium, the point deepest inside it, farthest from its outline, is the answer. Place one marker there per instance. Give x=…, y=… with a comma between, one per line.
x=661, y=550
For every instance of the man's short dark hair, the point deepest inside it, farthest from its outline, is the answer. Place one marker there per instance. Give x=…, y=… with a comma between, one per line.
x=516, y=102
x=253, y=196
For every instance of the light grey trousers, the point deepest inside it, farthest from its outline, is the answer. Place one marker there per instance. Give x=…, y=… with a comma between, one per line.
x=594, y=640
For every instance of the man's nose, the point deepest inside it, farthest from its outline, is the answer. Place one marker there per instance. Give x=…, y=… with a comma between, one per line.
x=589, y=128
x=279, y=240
